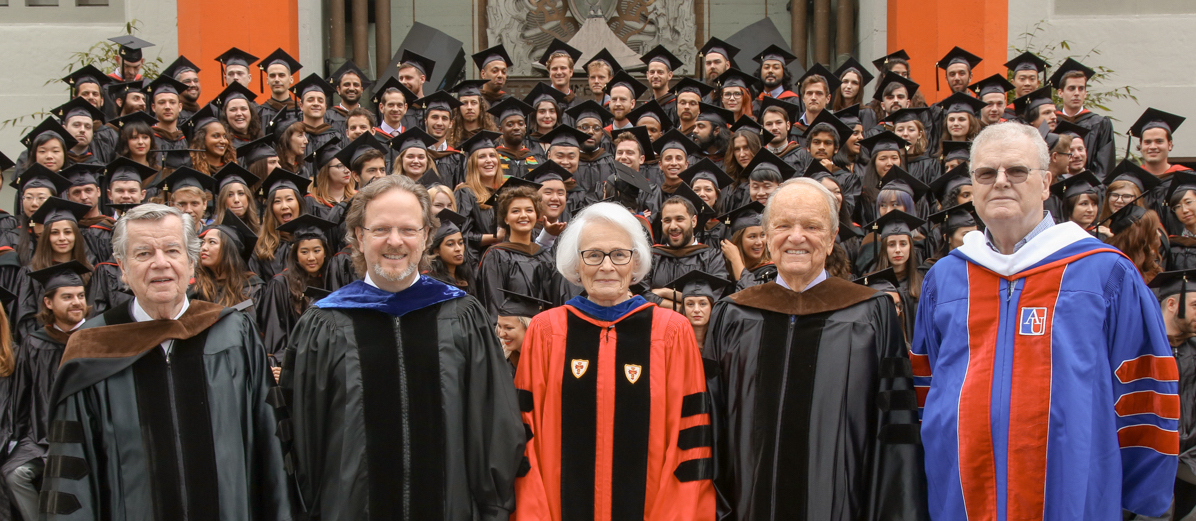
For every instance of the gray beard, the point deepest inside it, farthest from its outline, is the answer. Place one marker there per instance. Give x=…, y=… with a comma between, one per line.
x=390, y=276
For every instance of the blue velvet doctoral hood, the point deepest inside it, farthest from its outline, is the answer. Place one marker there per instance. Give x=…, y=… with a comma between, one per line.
x=606, y=313
x=425, y=292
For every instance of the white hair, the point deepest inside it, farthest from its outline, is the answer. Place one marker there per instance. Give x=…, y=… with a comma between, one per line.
x=154, y=212
x=568, y=258
x=831, y=202
x=1004, y=135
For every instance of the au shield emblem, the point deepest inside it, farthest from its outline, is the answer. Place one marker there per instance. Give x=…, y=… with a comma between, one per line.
x=632, y=372
x=579, y=367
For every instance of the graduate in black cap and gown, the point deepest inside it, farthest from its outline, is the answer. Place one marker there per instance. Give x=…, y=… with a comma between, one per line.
x=515, y=313
x=285, y=297
x=284, y=197
x=517, y=264
x=350, y=83
x=548, y=111
x=699, y=291
x=1099, y=140
x=564, y=147
x=511, y=118
x=222, y=276
x=60, y=242
x=1180, y=202
x=492, y=65
x=483, y=175
x=596, y=158
x=747, y=254
x=280, y=100
x=238, y=112
x=167, y=132
x=1175, y=290
x=451, y=262
x=94, y=226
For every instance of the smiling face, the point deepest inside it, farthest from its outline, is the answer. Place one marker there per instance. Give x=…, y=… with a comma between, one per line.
x=706, y=191
x=628, y=153
x=69, y=304
x=560, y=71
x=414, y=162
x=62, y=238
x=50, y=155
x=1084, y=211
x=799, y=233
x=125, y=192
x=759, y=191
x=510, y=333
x=350, y=88
x=553, y=194
x=1155, y=146
x=155, y=264
x=310, y=254
x=285, y=205
x=752, y=245
x=673, y=161
x=958, y=76
x=622, y=101
x=677, y=225
x=545, y=117
x=237, y=114
x=606, y=282
x=438, y=123
x=958, y=125
x=394, y=258
x=139, y=146
x=215, y=139
x=521, y=216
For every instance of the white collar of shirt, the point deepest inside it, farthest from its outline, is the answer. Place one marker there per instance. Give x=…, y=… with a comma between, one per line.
x=140, y=315
x=73, y=328
x=440, y=147
x=777, y=91
x=616, y=127
x=821, y=277
x=390, y=130
x=371, y=282
x=1063, y=109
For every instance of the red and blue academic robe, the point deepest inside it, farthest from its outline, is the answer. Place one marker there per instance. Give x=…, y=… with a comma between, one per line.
x=617, y=416
x=1048, y=384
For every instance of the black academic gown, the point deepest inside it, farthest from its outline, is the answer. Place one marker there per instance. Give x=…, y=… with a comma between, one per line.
x=524, y=269
x=268, y=110
x=97, y=237
x=340, y=270
x=320, y=135
x=29, y=294
x=925, y=168
x=762, y=274
x=144, y=436
x=37, y=366
x=267, y=269
x=814, y=406
x=450, y=166
x=403, y=407
x=1185, y=359
x=478, y=221
x=592, y=171
x=276, y=317
x=107, y=291
x=10, y=273
x=1098, y=141
x=670, y=263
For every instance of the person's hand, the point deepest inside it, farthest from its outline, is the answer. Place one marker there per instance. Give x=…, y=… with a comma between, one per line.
x=667, y=294
x=501, y=235
x=553, y=229
x=1104, y=230
x=277, y=371
x=732, y=253
x=830, y=165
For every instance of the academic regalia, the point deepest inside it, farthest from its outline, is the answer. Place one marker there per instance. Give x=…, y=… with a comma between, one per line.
x=340, y=271
x=29, y=289
x=450, y=166
x=10, y=270
x=125, y=413
x=637, y=368
x=525, y=269
x=1099, y=140
x=1185, y=360
x=806, y=388
x=402, y=406
x=478, y=222
x=670, y=263
x=107, y=290
x=279, y=179
x=279, y=310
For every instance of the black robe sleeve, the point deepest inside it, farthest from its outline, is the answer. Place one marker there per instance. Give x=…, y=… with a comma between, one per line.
x=37, y=364
x=29, y=296
x=478, y=221
x=276, y=317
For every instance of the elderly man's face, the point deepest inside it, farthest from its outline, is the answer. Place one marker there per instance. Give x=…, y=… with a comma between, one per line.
x=156, y=266
x=606, y=282
x=799, y=232
x=393, y=257
x=1004, y=202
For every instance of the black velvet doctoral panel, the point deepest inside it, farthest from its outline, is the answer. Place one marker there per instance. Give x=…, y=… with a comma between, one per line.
x=812, y=420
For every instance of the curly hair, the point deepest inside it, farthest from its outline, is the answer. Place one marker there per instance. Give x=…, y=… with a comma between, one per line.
x=199, y=160
x=1140, y=242
x=130, y=131
x=485, y=122
x=506, y=197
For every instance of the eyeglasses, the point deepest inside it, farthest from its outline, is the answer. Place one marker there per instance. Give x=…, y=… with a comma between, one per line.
x=1121, y=197
x=1015, y=174
x=383, y=232
x=733, y=94
x=618, y=257
x=589, y=129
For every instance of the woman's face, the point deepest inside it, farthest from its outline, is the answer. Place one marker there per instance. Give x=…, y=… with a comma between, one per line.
x=697, y=310
x=216, y=140
x=706, y=191
x=311, y=255
x=732, y=99
x=299, y=143
x=271, y=163
x=510, y=333
x=831, y=185
x=339, y=175
x=753, y=246
x=285, y=205
x=853, y=142
x=441, y=201
x=209, y=249
x=139, y=145
x=62, y=237
x=850, y=86
x=1084, y=212
x=452, y=250
x=885, y=160
x=237, y=199
x=892, y=203
x=759, y=191
x=415, y=162
x=488, y=163
x=958, y=126
x=743, y=153
x=51, y=155
x=1185, y=211
x=606, y=282
x=897, y=249
x=521, y=215
x=957, y=236
x=1122, y=196
x=191, y=204
x=908, y=131
x=237, y=112
x=545, y=116
x=33, y=199
x=965, y=194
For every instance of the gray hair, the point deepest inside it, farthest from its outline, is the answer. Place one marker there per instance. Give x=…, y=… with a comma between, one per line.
x=1005, y=135
x=154, y=212
x=568, y=258
x=831, y=202
x=355, y=217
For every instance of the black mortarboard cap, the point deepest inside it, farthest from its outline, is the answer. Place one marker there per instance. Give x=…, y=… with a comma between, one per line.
x=1126, y=170
x=508, y=107
x=482, y=140
x=717, y=46
x=883, y=280
x=958, y=55
x=881, y=63
x=164, y=84
x=83, y=174
x=414, y=137
x=651, y=109
x=905, y=115
x=202, y=117
x=257, y=149
x=675, y=139
x=896, y=222
x=469, y=88
x=450, y=222
x=87, y=74
x=359, y=146
x=899, y=179
x=179, y=66
x=697, y=283
x=564, y=135
x=312, y=82
x=692, y=85
x=130, y=47
x=1155, y=118
x=485, y=56
x=662, y=55
x=557, y=46
x=995, y=84
x=122, y=90
x=708, y=170
x=956, y=150
x=1068, y=66
x=232, y=92
x=234, y=230
x=428, y=180
x=520, y=305
x=1082, y=183
x=549, y=170
x=1027, y=61
x=826, y=118
x=606, y=57
x=185, y=177
x=77, y=107
x=911, y=86
x=685, y=191
x=392, y=84
x=817, y=171
x=306, y=226
x=1125, y=217
x=235, y=56
x=1066, y=127
x=5, y=162
x=636, y=87
x=1176, y=282
x=715, y=115
x=853, y=65
x=776, y=53
x=746, y=122
x=589, y=109
x=641, y=135
x=831, y=78
x=956, y=177
x=766, y=160
x=316, y=294
x=632, y=183
x=50, y=125
x=61, y=275
x=234, y=173
x=38, y=176
x=849, y=231
x=280, y=178
x=745, y=216
x=511, y=182
x=141, y=116
x=544, y=92
x=280, y=56
x=421, y=63
x=175, y=158
x=1033, y=100
x=58, y=209
x=346, y=68
x=882, y=141
x=960, y=102
x=793, y=110
x=955, y=217
x=7, y=296
x=439, y=100
x=326, y=152
x=733, y=77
